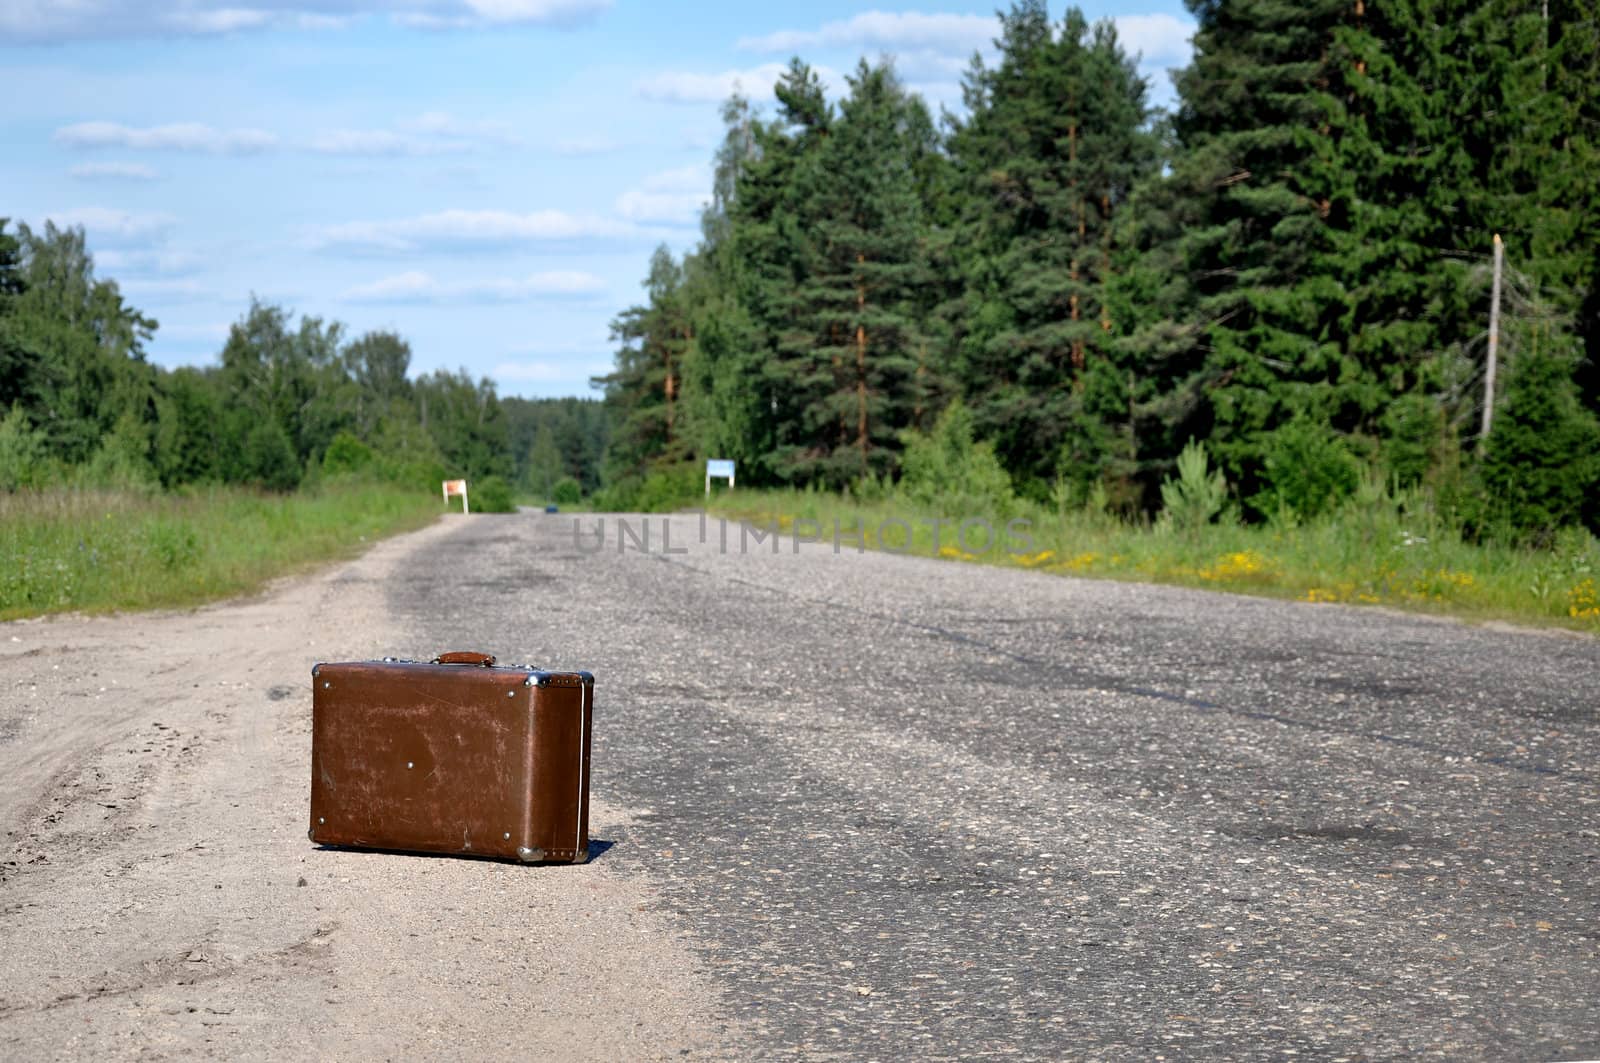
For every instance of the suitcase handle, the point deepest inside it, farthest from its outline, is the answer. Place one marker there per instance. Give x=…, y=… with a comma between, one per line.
x=465, y=657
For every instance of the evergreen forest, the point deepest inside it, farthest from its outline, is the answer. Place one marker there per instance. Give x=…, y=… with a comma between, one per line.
x=1292, y=270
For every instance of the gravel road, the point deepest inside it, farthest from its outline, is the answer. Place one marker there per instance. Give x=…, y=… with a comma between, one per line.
x=847, y=806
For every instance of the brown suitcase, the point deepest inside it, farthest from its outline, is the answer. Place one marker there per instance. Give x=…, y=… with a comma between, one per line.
x=452, y=756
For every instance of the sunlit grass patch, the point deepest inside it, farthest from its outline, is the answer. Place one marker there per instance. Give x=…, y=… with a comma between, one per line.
x=1382, y=554
x=106, y=550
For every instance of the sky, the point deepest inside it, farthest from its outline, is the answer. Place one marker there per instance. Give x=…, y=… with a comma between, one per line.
x=485, y=177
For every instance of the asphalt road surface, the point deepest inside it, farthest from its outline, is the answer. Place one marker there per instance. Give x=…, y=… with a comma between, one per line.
x=855, y=807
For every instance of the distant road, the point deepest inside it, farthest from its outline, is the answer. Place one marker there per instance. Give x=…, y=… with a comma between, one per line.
x=861, y=807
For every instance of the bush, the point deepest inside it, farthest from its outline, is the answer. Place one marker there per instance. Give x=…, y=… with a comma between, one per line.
x=1413, y=433
x=663, y=489
x=491, y=495
x=566, y=492
x=1309, y=471
x=618, y=496
x=1542, y=462
x=672, y=487
x=345, y=455
x=269, y=459
x=1196, y=496
x=948, y=468
x=121, y=461
x=21, y=451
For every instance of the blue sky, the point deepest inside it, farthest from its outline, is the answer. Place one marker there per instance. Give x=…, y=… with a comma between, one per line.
x=486, y=177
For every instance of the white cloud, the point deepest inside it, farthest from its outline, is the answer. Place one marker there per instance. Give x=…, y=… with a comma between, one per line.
x=674, y=197
x=1159, y=39
x=181, y=136
x=445, y=124
x=417, y=287
x=926, y=63
x=430, y=133
x=381, y=142
x=937, y=47
x=467, y=14
x=114, y=171
x=54, y=21
x=169, y=290
x=147, y=262
x=208, y=22
x=105, y=226
x=676, y=86
x=537, y=11
x=891, y=30
x=938, y=93
x=478, y=229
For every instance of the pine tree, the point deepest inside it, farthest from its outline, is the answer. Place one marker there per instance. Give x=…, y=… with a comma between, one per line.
x=643, y=391
x=1541, y=468
x=850, y=355
x=1048, y=157
x=766, y=263
x=1257, y=159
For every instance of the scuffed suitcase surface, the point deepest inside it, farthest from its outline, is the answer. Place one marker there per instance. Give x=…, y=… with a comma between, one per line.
x=451, y=758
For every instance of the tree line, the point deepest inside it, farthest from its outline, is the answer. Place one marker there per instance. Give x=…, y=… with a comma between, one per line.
x=1291, y=268
x=288, y=400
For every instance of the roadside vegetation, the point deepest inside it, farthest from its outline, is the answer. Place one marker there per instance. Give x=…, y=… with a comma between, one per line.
x=1380, y=545
x=1381, y=550
x=96, y=550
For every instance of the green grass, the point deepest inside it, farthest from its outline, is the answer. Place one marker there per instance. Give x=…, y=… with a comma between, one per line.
x=97, y=551
x=1374, y=555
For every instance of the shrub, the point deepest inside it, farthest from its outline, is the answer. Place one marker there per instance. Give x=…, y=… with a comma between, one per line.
x=1309, y=471
x=566, y=492
x=948, y=468
x=491, y=495
x=121, y=461
x=618, y=496
x=1196, y=496
x=1413, y=431
x=672, y=487
x=269, y=459
x=346, y=454
x=21, y=451
x=1542, y=462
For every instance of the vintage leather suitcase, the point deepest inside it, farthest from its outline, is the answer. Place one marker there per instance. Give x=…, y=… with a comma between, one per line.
x=452, y=756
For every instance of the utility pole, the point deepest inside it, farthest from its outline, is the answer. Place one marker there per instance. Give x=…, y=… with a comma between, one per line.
x=1494, y=339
